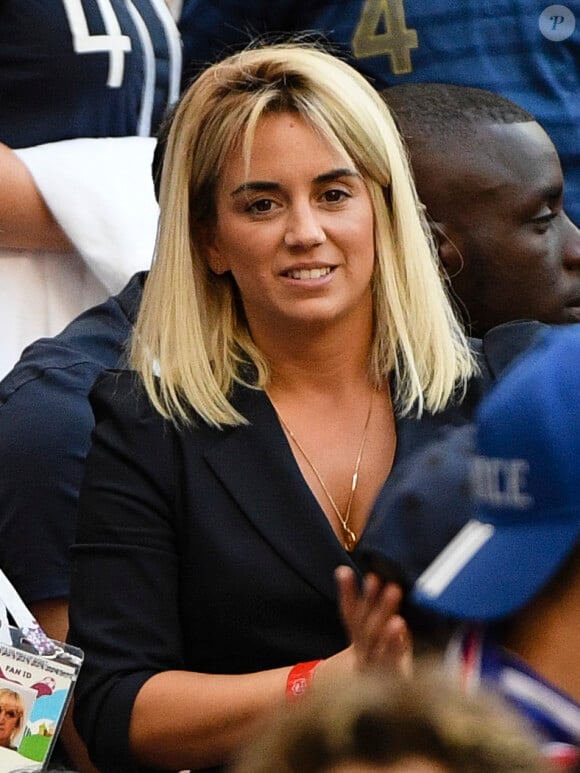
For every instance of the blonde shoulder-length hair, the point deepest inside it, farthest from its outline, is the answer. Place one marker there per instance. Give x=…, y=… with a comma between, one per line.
x=191, y=341
x=13, y=699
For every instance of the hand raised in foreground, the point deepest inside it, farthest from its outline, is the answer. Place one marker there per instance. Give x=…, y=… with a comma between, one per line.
x=380, y=638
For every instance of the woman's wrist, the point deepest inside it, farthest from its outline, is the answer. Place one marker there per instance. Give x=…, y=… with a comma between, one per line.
x=300, y=678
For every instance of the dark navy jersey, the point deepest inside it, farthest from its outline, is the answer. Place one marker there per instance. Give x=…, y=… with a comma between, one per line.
x=527, y=50
x=85, y=68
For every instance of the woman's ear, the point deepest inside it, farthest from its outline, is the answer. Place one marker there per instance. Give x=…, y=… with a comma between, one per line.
x=215, y=259
x=448, y=247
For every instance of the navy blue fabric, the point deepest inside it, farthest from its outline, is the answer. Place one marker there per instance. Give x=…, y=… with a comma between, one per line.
x=45, y=428
x=49, y=91
x=497, y=45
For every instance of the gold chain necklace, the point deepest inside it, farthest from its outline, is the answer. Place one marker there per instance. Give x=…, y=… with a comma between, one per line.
x=349, y=536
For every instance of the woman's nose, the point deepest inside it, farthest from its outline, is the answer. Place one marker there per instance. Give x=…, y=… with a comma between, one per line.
x=303, y=228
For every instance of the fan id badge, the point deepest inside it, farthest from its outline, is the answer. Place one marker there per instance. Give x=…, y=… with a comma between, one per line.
x=37, y=677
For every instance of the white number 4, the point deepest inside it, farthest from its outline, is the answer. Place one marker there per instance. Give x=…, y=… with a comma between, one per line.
x=114, y=41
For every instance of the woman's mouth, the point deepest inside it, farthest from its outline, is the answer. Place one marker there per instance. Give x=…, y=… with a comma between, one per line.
x=308, y=273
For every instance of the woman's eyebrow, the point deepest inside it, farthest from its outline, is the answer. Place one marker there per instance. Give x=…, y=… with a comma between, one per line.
x=335, y=174
x=256, y=185
x=265, y=185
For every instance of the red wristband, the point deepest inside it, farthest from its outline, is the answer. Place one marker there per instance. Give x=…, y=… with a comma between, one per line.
x=300, y=679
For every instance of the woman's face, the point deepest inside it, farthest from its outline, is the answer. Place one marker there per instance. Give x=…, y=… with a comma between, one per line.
x=9, y=720
x=295, y=230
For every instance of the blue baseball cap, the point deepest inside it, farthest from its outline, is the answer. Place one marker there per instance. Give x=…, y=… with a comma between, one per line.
x=426, y=503
x=526, y=485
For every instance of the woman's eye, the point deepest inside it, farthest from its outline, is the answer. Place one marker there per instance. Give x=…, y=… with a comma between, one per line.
x=335, y=195
x=262, y=205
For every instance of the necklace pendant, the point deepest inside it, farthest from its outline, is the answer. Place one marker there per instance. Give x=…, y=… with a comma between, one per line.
x=349, y=538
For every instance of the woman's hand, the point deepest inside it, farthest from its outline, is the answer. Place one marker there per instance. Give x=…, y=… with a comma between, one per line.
x=380, y=637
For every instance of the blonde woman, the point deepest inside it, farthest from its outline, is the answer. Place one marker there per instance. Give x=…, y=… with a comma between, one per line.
x=11, y=716
x=294, y=342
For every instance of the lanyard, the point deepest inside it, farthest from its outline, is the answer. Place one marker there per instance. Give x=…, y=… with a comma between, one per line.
x=30, y=629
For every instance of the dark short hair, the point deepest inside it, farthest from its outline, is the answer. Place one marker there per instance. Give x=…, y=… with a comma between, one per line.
x=446, y=111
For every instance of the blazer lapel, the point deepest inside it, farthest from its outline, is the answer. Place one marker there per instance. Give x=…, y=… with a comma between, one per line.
x=258, y=468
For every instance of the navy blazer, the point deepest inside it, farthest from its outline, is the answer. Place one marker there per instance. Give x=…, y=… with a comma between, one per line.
x=201, y=549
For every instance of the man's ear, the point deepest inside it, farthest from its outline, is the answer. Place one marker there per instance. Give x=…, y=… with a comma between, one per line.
x=448, y=247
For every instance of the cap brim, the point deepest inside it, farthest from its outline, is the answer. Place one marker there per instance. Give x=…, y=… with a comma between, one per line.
x=488, y=572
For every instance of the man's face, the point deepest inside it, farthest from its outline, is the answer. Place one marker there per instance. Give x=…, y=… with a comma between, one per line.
x=498, y=199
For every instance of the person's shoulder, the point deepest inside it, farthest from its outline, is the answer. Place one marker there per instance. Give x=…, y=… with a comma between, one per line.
x=68, y=363
x=119, y=396
x=128, y=426
x=116, y=385
x=506, y=342
x=502, y=344
x=43, y=403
